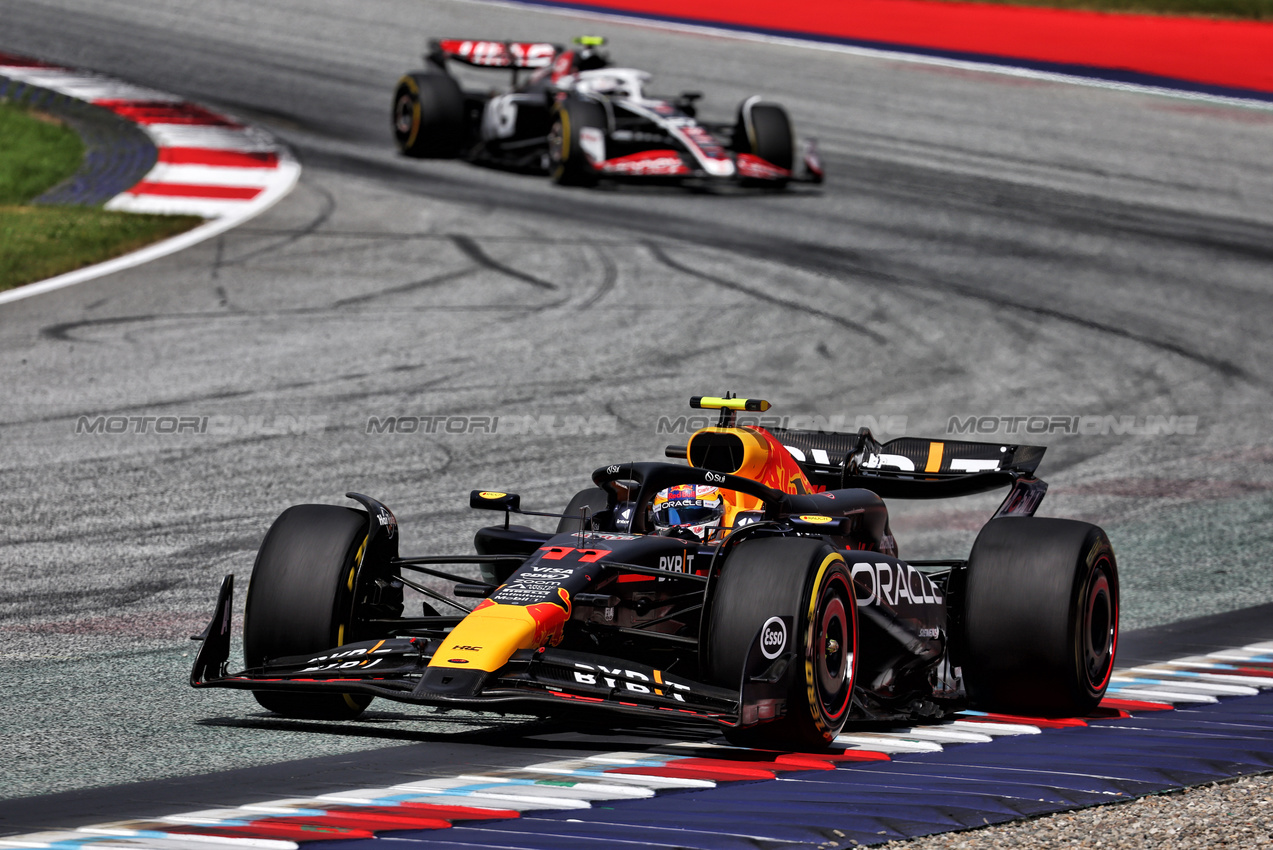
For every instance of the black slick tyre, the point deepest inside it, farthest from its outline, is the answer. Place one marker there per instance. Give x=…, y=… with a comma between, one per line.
x=568, y=165
x=807, y=582
x=764, y=130
x=1040, y=617
x=300, y=600
x=428, y=115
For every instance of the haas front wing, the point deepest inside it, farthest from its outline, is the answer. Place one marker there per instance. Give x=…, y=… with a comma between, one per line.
x=534, y=680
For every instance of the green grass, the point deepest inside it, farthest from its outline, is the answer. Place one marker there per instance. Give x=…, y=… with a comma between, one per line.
x=38, y=153
x=37, y=242
x=1259, y=10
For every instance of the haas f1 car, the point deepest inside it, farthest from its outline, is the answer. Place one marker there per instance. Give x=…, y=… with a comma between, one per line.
x=756, y=589
x=569, y=113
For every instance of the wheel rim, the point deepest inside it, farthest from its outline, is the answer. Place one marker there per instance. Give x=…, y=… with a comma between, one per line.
x=1099, y=629
x=404, y=114
x=834, y=649
x=556, y=143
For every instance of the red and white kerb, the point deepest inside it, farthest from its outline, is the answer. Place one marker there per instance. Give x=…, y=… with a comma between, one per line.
x=209, y=165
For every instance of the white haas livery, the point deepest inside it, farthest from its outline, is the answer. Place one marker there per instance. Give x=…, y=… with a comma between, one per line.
x=569, y=114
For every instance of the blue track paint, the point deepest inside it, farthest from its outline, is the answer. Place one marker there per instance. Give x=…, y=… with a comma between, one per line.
x=915, y=794
x=116, y=153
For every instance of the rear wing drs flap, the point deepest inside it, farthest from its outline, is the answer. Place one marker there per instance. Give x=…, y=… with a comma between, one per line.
x=517, y=55
x=910, y=467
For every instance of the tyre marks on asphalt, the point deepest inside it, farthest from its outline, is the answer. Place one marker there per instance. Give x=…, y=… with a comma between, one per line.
x=458, y=290
x=609, y=277
x=910, y=276
x=1162, y=726
x=430, y=282
x=975, y=217
x=471, y=249
x=660, y=253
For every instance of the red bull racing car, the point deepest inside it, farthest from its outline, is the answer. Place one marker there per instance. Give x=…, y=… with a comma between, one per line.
x=756, y=588
x=581, y=120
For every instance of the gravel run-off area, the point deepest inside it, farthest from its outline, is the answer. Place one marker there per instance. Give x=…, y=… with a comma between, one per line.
x=1230, y=814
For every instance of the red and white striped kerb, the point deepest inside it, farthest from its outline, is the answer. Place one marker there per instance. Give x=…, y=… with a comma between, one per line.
x=209, y=165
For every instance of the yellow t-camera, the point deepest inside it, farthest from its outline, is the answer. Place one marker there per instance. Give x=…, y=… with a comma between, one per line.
x=707, y=402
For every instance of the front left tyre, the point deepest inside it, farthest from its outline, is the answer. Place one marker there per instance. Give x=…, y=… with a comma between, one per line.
x=301, y=600
x=805, y=582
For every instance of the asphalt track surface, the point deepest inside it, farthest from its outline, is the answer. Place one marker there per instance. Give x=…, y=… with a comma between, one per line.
x=984, y=246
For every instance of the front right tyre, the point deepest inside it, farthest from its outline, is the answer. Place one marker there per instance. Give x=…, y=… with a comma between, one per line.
x=593, y=499
x=568, y=164
x=301, y=600
x=764, y=130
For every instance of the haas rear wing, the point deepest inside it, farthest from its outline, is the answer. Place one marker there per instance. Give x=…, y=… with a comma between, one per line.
x=918, y=468
x=518, y=55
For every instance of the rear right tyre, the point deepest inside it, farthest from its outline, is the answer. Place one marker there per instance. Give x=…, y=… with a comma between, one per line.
x=428, y=115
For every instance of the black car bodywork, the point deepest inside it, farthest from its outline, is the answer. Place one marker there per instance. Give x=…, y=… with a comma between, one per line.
x=798, y=617
x=570, y=114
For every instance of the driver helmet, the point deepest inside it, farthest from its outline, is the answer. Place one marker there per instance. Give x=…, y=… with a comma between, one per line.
x=688, y=511
x=590, y=53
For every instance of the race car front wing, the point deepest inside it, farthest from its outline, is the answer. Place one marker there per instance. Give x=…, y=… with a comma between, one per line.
x=534, y=680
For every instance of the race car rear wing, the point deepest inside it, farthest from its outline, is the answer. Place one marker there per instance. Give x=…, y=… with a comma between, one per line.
x=517, y=55
x=910, y=467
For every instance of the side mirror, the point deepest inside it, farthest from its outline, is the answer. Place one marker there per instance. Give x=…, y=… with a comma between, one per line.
x=490, y=500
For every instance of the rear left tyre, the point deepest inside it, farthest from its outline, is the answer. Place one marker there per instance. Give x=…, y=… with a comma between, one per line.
x=1040, y=617
x=301, y=600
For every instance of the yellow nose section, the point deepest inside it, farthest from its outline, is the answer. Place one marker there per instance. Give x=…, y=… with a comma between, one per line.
x=487, y=637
